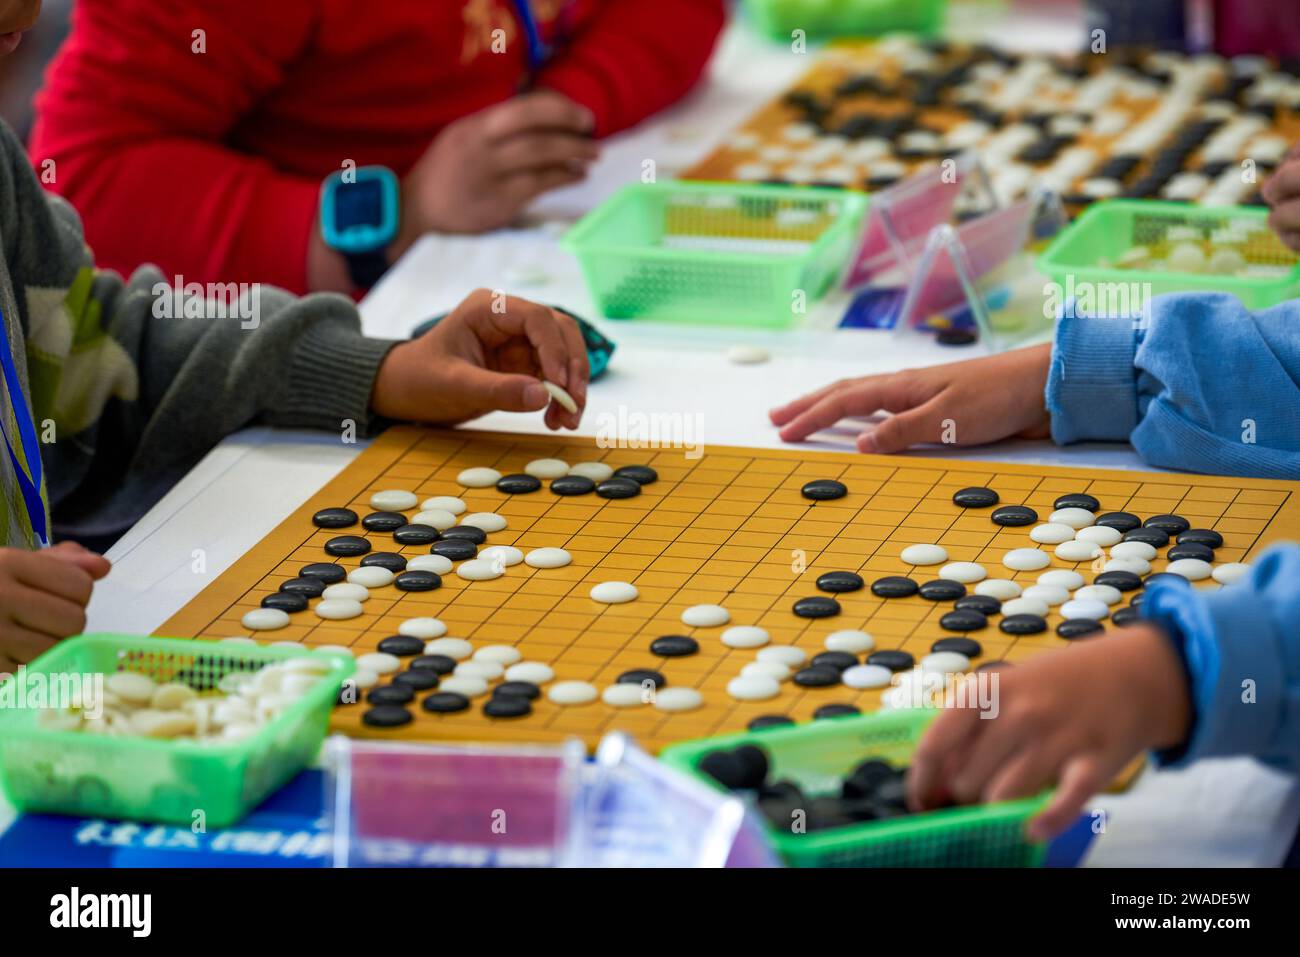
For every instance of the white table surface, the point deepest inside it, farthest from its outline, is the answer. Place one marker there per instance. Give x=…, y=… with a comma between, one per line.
x=1227, y=812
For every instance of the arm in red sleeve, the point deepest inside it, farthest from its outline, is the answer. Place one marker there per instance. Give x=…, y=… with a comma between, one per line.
x=136, y=117
x=636, y=57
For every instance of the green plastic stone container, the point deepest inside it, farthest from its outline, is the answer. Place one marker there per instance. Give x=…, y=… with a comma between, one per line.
x=817, y=756
x=715, y=253
x=1086, y=252
x=827, y=19
x=148, y=779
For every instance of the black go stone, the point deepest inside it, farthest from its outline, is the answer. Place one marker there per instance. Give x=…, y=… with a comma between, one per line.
x=764, y=721
x=943, y=589
x=1078, y=628
x=334, y=518
x=1136, y=600
x=466, y=533
x=401, y=645
x=839, y=660
x=416, y=535
x=456, y=549
x=438, y=664
x=638, y=676
x=383, y=521
x=387, y=716
x=519, y=484
x=975, y=497
x=286, y=601
x=390, y=694
x=674, y=646
x=618, y=488
x=816, y=606
x=573, y=485
x=894, y=586
x=508, y=706
x=421, y=679
x=1120, y=521
x=1014, y=516
x=326, y=572
x=420, y=580
x=641, y=474
x=1170, y=524
x=1190, y=550
x=984, y=604
x=963, y=619
x=1162, y=577
x=1201, y=536
x=1125, y=616
x=956, y=337
x=307, y=587
x=1023, y=624
x=823, y=490
x=347, y=546
x=963, y=646
x=1124, y=581
x=893, y=660
x=1155, y=537
x=516, y=689
x=391, y=560
x=816, y=677
x=445, y=702
x=1077, y=500
x=836, y=711
x=840, y=581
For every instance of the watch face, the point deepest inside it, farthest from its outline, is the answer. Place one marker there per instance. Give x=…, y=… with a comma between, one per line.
x=359, y=204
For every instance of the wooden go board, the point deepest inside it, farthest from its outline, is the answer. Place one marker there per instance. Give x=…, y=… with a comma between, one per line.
x=730, y=528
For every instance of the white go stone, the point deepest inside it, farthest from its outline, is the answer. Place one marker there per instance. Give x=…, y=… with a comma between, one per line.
x=1141, y=550
x=849, y=640
x=1025, y=606
x=236, y=640
x=458, y=649
x=1076, y=518
x=613, y=593
x=380, y=662
x=468, y=685
x=346, y=590
x=478, y=478
x=787, y=655
x=548, y=558
x=1104, y=593
x=744, y=355
x=1026, y=559
x=338, y=609
x=1052, y=533
x=487, y=670
x=1052, y=594
x=1002, y=589
x=505, y=555
x=924, y=554
x=547, y=468
x=426, y=628
x=745, y=636
x=573, y=692
x=1229, y=572
x=1066, y=578
x=624, y=696
x=678, y=699
x=965, y=572
x=370, y=576
x=945, y=663
x=393, y=500
x=866, y=676
x=705, y=616
x=1138, y=566
x=479, y=570
x=438, y=518
x=501, y=654
x=446, y=503
x=287, y=644
x=562, y=398
x=438, y=564
x=265, y=619
x=753, y=688
x=340, y=650
x=1193, y=569
x=1085, y=608
x=487, y=521
x=1078, y=551
x=1102, y=535
x=534, y=672
x=766, y=669
x=363, y=678
x=596, y=471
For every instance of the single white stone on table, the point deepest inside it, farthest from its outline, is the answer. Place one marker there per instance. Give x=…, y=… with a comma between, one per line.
x=1026, y=559
x=1025, y=606
x=705, y=616
x=596, y=471
x=573, y=692
x=1138, y=566
x=547, y=468
x=1066, y=578
x=501, y=654
x=561, y=397
x=338, y=609
x=445, y=503
x=1102, y=535
x=438, y=564
x=866, y=676
x=1076, y=518
x=457, y=649
x=1085, y=608
x=1142, y=550
x=439, y=518
x=478, y=478
x=1229, y=572
x=753, y=689
x=487, y=521
x=1077, y=551
x=265, y=619
x=1052, y=533
x=426, y=628
x=479, y=570
x=945, y=663
x=787, y=655
x=1000, y=588
x=487, y=670
x=534, y=672
x=1193, y=569
x=849, y=640
x=924, y=554
x=548, y=558
x=1052, y=594
x=393, y=500
x=766, y=669
x=380, y=662
x=506, y=556
x=747, y=355
x=1105, y=593
x=468, y=685
x=964, y=572
x=613, y=593
x=624, y=695
x=745, y=636
x=678, y=699
x=370, y=576
x=347, y=590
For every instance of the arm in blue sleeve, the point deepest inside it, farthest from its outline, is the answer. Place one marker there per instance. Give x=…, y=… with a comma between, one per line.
x=1241, y=649
x=1199, y=384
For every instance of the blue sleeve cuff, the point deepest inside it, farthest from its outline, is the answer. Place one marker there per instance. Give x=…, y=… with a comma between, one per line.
x=1092, y=386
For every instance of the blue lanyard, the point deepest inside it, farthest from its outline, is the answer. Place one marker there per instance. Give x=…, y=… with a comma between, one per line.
x=29, y=484
x=538, y=52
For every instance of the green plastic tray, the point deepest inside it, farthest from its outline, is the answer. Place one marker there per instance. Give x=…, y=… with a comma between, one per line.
x=146, y=779
x=826, y=19
x=1086, y=250
x=715, y=253
x=817, y=755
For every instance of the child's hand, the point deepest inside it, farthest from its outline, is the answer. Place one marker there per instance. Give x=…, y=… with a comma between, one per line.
x=488, y=355
x=1073, y=717
x=43, y=598
x=1282, y=192
x=984, y=399
x=482, y=170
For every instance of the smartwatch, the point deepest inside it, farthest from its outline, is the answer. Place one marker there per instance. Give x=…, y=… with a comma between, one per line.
x=359, y=218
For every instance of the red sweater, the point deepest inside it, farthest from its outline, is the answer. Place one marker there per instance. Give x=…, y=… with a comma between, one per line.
x=209, y=163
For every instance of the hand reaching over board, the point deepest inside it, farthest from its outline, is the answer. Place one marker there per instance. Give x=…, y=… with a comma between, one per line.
x=43, y=598
x=966, y=403
x=1282, y=193
x=490, y=354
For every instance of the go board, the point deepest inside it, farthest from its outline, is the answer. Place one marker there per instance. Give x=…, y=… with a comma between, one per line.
x=730, y=527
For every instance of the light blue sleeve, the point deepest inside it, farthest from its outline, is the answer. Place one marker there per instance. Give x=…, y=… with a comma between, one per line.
x=1241, y=649
x=1200, y=384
